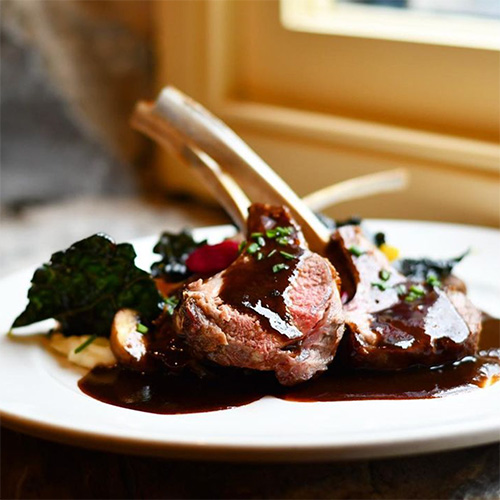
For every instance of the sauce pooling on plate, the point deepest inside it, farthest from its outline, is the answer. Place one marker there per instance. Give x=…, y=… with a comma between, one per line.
x=172, y=394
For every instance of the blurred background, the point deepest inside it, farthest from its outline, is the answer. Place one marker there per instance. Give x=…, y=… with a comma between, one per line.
x=323, y=90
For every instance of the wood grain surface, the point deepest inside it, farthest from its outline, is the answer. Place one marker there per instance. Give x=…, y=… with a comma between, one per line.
x=35, y=468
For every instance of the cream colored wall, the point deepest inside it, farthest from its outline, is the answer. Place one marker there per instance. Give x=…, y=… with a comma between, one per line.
x=321, y=108
x=436, y=193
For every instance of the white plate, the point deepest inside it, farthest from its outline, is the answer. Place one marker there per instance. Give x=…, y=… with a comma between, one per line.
x=39, y=393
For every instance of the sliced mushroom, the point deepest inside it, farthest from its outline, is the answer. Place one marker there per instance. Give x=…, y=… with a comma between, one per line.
x=127, y=343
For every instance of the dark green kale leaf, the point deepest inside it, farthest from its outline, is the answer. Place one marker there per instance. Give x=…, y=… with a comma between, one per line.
x=83, y=287
x=421, y=269
x=379, y=239
x=174, y=250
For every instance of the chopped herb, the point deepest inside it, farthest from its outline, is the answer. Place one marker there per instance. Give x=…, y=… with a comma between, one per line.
x=170, y=304
x=417, y=290
x=354, y=250
x=284, y=231
x=242, y=246
x=279, y=267
x=384, y=274
x=400, y=289
x=253, y=248
x=287, y=255
x=271, y=253
x=433, y=280
x=256, y=235
x=261, y=241
x=142, y=328
x=279, y=231
x=282, y=241
x=85, y=344
x=380, y=286
x=259, y=256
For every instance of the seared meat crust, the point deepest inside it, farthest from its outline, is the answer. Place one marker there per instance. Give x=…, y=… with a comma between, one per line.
x=388, y=328
x=289, y=322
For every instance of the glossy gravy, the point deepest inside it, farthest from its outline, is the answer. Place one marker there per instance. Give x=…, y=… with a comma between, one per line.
x=172, y=394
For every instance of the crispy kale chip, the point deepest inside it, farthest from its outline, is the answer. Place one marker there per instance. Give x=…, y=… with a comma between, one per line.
x=83, y=287
x=174, y=250
x=423, y=268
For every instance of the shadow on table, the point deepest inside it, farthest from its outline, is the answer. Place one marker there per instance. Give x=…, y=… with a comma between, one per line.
x=35, y=468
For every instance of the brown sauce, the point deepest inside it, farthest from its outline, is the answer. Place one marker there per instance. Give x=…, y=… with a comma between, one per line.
x=168, y=394
x=254, y=287
x=257, y=283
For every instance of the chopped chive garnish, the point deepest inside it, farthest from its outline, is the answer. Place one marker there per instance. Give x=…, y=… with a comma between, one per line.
x=142, y=328
x=287, y=255
x=282, y=241
x=279, y=231
x=261, y=241
x=170, y=304
x=384, y=274
x=253, y=248
x=242, y=246
x=417, y=290
x=259, y=256
x=433, y=280
x=410, y=298
x=354, y=250
x=256, y=235
x=272, y=252
x=279, y=267
x=85, y=344
x=284, y=231
x=381, y=286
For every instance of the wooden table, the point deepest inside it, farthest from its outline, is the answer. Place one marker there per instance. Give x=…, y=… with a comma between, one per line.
x=35, y=468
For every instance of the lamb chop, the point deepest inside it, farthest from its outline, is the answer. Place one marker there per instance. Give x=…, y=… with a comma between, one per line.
x=392, y=322
x=276, y=308
x=392, y=325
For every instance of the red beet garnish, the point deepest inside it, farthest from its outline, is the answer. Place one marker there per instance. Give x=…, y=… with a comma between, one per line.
x=210, y=259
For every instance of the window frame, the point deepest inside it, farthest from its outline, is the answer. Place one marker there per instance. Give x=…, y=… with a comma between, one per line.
x=399, y=25
x=207, y=48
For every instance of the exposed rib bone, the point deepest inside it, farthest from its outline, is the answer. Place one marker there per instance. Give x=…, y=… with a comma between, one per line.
x=359, y=187
x=201, y=129
x=228, y=193
x=222, y=186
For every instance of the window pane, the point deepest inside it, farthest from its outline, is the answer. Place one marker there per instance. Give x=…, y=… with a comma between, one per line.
x=480, y=8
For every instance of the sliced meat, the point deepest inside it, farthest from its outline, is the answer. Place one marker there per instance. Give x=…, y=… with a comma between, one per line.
x=393, y=323
x=368, y=279
x=276, y=308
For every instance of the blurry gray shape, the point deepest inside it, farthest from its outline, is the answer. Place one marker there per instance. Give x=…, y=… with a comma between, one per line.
x=43, y=153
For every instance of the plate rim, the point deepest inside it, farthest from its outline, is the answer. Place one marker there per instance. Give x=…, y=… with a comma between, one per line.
x=380, y=447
